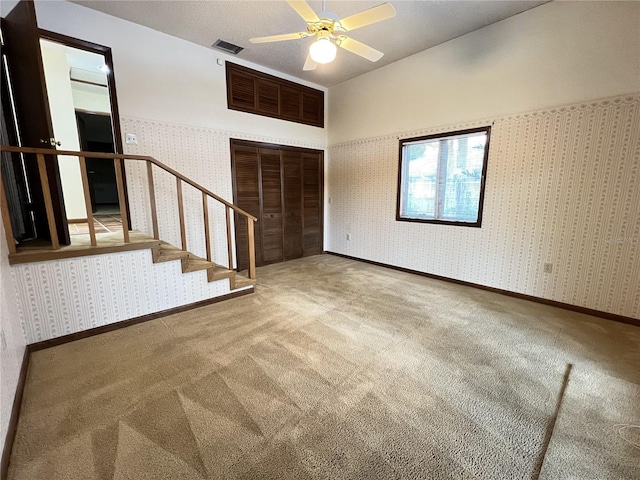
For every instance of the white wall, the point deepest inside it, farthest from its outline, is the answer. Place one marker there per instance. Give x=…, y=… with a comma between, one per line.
x=160, y=77
x=65, y=128
x=562, y=183
x=557, y=53
x=12, y=342
x=90, y=98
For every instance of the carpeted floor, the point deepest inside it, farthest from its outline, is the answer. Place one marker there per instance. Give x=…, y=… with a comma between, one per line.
x=337, y=369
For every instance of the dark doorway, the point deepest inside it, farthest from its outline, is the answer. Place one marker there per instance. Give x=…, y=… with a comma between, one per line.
x=96, y=135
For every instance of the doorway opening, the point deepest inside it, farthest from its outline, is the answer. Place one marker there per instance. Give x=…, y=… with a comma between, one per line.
x=81, y=113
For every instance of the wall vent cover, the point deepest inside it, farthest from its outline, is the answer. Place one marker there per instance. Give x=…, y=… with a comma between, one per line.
x=227, y=47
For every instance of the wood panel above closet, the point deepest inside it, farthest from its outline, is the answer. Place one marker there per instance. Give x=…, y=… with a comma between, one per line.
x=283, y=187
x=256, y=92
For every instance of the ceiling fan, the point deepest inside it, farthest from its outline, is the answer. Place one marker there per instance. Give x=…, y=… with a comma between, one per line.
x=329, y=31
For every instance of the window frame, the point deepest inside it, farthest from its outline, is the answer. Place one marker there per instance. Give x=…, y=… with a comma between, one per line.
x=444, y=135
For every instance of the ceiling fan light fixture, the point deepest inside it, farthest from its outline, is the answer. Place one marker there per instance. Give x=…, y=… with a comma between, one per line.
x=322, y=51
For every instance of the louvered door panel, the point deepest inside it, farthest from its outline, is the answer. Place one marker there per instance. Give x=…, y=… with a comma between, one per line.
x=292, y=195
x=312, y=108
x=247, y=196
x=312, y=203
x=290, y=103
x=272, y=241
x=268, y=97
x=241, y=91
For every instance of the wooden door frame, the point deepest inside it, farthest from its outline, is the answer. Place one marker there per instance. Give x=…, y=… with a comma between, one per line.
x=111, y=86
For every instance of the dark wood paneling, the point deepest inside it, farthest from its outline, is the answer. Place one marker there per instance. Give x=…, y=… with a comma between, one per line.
x=312, y=210
x=288, y=196
x=292, y=200
x=246, y=185
x=531, y=298
x=257, y=92
x=241, y=89
x=290, y=103
x=311, y=108
x=271, y=206
x=268, y=97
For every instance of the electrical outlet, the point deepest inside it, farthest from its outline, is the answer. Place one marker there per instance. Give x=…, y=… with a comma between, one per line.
x=132, y=139
x=548, y=267
x=348, y=236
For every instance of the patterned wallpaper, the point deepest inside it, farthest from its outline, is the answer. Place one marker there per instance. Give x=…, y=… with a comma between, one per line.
x=201, y=154
x=12, y=343
x=562, y=187
x=66, y=296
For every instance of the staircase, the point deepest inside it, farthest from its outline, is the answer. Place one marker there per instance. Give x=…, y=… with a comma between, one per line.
x=166, y=252
x=95, y=244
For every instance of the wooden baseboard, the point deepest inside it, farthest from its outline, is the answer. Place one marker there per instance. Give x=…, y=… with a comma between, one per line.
x=15, y=414
x=34, y=347
x=553, y=303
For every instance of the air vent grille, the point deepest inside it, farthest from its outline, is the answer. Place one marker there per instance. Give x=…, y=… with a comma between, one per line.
x=227, y=47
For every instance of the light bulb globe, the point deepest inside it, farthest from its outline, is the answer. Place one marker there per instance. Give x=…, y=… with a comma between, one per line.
x=323, y=51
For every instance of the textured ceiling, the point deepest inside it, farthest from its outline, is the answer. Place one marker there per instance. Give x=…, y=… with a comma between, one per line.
x=417, y=26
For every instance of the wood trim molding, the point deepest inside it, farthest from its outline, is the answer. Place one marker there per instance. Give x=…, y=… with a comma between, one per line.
x=523, y=296
x=34, y=347
x=15, y=414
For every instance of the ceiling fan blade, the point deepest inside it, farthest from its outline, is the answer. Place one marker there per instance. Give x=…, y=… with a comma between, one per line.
x=367, y=17
x=304, y=10
x=309, y=64
x=360, y=48
x=279, y=38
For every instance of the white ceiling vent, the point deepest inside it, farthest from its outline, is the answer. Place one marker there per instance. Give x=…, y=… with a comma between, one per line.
x=227, y=47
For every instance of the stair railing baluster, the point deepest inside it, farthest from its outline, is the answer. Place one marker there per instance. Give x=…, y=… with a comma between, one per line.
x=229, y=245
x=183, y=231
x=152, y=201
x=48, y=203
x=118, y=160
x=252, y=249
x=205, y=212
x=87, y=200
x=122, y=199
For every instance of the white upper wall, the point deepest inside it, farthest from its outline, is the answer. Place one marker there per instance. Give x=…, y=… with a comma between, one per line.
x=558, y=53
x=164, y=78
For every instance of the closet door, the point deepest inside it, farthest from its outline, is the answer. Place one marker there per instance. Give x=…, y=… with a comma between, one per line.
x=272, y=241
x=292, y=196
x=312, y=185
x=246, y=174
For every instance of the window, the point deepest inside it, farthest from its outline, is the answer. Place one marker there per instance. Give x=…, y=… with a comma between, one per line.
x=441, y=177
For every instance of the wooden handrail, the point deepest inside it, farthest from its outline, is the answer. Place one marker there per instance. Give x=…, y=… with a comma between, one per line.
x=49, y=151
x=43, y=154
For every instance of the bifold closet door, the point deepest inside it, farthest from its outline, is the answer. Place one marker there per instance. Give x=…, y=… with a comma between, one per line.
x=312, y=186
x=282, y=187
x=272, y=241
x=292, y=196
x=246, y=174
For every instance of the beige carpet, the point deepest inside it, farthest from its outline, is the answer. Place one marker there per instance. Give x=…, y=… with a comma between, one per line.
x=337, y=369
